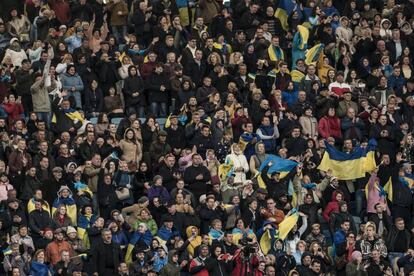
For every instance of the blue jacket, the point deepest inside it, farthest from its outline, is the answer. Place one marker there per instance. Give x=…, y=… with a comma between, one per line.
x=339, y=237
x=138, y=237
x=69, y=81
x=270, y=144
x=158, y=191
x=250, y=148
x=159, y=263
x=120, y=238
x=73, y=42
x=396, y=83
x=290, y=97
x=166, y=234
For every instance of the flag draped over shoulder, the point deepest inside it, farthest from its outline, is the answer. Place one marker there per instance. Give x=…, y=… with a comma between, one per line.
x=349, y=166
x=275, y=53
x=225, y=170
x=267, y=239
x=296, y=75
x=70, y=205
x=285, y=8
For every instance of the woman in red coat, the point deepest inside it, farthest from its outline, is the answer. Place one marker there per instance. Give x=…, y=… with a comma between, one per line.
x=13, y=108
x=333, y=205
x=330, y=125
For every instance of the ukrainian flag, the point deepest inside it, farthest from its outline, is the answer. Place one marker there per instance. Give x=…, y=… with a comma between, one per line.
x=312, y=55
x=292, y=193
x=267, y=239
x=70, y=205
x=300, y=43
x=7, y=251
x=349, y=166
x=226, y=170
x=287, y=224
x=286, y=7
x=388, y=189
x=297, y=76
x=280, y=165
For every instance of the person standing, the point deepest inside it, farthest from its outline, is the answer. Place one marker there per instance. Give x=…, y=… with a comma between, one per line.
x=106, y=255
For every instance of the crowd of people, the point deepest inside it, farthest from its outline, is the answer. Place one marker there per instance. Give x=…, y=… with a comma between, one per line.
x=135, y=137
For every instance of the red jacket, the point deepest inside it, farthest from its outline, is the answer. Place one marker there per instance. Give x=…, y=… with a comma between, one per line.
x=333, y=206
x=240, y=268
x=14, y=112
x=330, y=127
x=197, y=267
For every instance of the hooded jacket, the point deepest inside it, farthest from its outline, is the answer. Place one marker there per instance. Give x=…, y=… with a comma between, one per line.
x=333, y=206
x=344, y=33
x=134, y=84
x=385, y=33
x=171, y=268
x=195, y=242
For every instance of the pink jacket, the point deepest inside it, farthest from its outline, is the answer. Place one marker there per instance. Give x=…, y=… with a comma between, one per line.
x=3, y=190
x=374, y=195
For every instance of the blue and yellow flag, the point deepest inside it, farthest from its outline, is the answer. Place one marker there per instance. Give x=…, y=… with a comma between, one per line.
x=280, y=165
x=285, y=8
x=292, y=193
x=296, y=76
x=226, y=170
x=70, y=205
x=31, y=206
x=287, y=224
x=312, y=55
x=300, y=43
x=388, y=189
x=349, y=166
x=7, y=251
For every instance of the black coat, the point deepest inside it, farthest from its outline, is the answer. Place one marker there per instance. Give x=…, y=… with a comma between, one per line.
x=134, y=84
x=197, y=187
x=153, y=84
x=100, y=261
x=94, y=101
x=176, y=137
x=196, y=72
x=168, y=180
x=39, y=220
x=63, y=122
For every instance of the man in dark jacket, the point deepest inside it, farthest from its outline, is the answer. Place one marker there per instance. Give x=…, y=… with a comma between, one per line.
x=197, y=176
x=176, y=135
x=106, y=255
x=203, y=141
x=25, y=80
x=169, y=172
x=158, y=90
x=398, y=240
x=63, y=120
x=196, y=68
x=296, y=144
x=39, y=220
x=134, y=92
